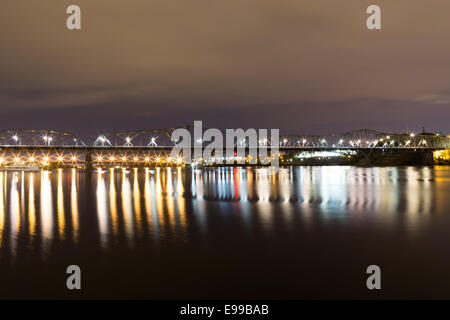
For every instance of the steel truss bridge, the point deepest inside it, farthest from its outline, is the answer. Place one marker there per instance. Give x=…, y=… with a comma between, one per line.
x=22, y=146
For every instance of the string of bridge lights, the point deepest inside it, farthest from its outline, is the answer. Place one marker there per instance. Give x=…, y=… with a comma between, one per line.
x=388, y=141
x=100, y=158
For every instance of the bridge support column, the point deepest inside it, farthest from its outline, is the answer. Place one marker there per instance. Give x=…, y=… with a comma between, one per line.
x=88, y=161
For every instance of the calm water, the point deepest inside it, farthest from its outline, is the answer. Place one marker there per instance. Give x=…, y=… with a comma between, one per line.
x=304, y=232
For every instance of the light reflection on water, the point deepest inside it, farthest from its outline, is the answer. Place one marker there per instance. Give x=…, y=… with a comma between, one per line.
x=38, y=211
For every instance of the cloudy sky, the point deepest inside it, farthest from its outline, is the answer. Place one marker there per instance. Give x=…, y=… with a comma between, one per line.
x=304, y=66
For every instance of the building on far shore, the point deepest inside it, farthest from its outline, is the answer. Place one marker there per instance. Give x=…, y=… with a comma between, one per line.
x=442, y=156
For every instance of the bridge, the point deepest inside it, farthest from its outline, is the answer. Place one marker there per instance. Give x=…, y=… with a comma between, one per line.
x=21, y=147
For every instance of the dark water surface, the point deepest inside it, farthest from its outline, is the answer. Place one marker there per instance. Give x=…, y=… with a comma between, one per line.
x=305, y=232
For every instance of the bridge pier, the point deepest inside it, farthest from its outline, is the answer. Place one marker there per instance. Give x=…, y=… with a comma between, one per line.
x=88, y=161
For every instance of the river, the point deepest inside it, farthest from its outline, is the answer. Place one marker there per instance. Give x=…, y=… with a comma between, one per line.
x=226, y=233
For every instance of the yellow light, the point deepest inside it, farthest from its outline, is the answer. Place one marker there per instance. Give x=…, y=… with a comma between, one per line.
x=46, y=159
x=60, y=159
x=2, y=160
x=16, y=159
x=99, y=158
x=135, y=159
x=158, y=159
x=124, y=159
x=31, y=159
x=147, y=159
x=111, y=158
x=74, y=158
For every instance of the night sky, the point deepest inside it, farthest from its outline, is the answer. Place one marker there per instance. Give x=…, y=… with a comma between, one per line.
x=303, y=66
